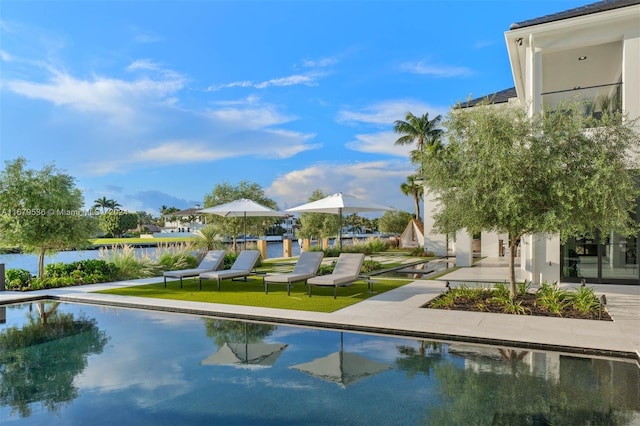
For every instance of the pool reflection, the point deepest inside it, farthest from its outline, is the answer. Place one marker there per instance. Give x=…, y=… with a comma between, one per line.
x=83, y=364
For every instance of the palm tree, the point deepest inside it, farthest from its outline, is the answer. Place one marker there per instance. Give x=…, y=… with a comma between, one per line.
x=105, y=203
x=114, y=205
x=102, y=203
x=425, y=132
x=411, y=187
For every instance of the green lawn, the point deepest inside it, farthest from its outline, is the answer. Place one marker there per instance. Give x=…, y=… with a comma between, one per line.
x=251, y=293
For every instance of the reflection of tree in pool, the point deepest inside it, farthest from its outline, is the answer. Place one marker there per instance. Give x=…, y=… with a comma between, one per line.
x=421, y=359
x=39, y=361
x=491, y=392
x=228, y=331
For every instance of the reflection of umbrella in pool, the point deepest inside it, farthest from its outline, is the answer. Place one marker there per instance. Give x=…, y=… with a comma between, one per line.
x=343, y=368
x=242, y=208
x=339, y=204
x=246, y=355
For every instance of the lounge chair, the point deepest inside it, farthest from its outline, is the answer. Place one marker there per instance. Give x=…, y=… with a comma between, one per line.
x=211, y=261
x=241, y=268
x=306, y=267
x=345, y=272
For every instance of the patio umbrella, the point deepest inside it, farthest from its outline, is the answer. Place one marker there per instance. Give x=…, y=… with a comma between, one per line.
x=246, y=355
x=242, y=208
x=343, y=368
x=339, y=204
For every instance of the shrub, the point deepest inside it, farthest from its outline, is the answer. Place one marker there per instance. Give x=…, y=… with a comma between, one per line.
x=552, y=298
x=420, y=252
x=88, y=271
x=370, y=266
x=175, y=261
x=17, y=279
x=128, y=265
x=584, y=300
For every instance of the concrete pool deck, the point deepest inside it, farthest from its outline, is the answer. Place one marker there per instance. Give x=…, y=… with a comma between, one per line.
x=400, y=312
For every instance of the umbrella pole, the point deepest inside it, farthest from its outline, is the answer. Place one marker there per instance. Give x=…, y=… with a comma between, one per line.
x=244, y=246
x=340, y=228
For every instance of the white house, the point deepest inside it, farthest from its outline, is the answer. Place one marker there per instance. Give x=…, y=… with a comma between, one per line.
x=591, y=53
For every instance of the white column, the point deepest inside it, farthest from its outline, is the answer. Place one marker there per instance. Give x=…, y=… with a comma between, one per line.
x=490, y=244
x=464, y=249
x=433, y=242
x=533, y=77
x=630, y=80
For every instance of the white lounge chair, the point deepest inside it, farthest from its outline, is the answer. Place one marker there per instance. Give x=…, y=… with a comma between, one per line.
x=306, y=267
x=241, y=268
x=345, y=272
x=211, y=261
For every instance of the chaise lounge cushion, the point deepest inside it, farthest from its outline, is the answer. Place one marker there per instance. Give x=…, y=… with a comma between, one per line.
x=242, y=267
x=346, y=271
x=211, y=261
x=306, y=267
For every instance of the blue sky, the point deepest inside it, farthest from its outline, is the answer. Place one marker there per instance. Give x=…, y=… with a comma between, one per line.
x=153, y=103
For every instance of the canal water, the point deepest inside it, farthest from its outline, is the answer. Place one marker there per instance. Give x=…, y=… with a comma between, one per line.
x=30, y=261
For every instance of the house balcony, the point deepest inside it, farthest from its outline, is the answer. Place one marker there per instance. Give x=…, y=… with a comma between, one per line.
x=595, y=100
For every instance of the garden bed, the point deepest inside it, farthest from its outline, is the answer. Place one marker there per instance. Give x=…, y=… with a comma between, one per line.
x=548, y=301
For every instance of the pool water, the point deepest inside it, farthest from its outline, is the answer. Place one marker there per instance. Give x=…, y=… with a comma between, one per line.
x=74, y=364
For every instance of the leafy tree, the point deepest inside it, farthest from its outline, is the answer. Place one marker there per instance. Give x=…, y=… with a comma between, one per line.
x=144, y=218
x=225, y=331
x=41, y=210
x=394, y=221
x=551, y=174
x=234, y=226
x=117, y=222
x=414, y=189
x=424, y=132
x=41, y=360
x=319, y=225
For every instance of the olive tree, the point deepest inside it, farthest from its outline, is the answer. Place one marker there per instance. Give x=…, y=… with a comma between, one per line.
x=319, y=225
x=394, y=221
x=233, y=226
x=41, y=210
x=117, y=222
x=556, y=173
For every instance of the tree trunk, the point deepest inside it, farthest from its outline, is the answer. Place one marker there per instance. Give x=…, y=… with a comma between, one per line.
x=416, y=205
x=513, y=246
x=41, y=262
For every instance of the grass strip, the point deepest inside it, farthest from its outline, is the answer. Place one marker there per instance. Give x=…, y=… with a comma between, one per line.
x=251, y=293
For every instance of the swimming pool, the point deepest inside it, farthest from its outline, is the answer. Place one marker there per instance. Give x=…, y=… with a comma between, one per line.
x=63, y=363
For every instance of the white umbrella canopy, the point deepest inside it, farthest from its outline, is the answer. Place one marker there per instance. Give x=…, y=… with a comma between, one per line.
x=343, y=368
x=339, y=204
x=242, y=208
x=246, y=355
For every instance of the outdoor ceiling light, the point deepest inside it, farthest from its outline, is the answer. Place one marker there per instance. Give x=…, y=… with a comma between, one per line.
x=582, y=58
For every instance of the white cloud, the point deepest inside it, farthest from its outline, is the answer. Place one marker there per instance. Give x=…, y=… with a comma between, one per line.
x=309, y=79
x=174, y=152
x=143, y=64
x=319, y=63
x=424, y=68
x=379, y=143
x=5, y=56
x=387, y=112
x=115, y=98
x=377, y=182
x=250, y=117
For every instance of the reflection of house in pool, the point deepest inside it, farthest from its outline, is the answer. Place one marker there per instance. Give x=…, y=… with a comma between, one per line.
x=614, y=381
